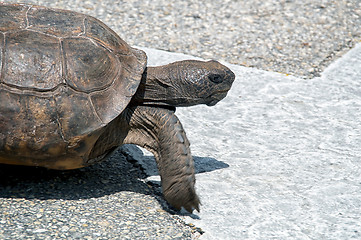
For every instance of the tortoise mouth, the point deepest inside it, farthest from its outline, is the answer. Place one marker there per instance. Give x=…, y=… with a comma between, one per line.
x=216, y=97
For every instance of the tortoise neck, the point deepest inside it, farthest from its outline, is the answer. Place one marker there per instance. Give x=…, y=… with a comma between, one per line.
x=155, y=88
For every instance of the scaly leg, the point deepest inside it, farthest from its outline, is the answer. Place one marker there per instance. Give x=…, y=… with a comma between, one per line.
x=160, y=131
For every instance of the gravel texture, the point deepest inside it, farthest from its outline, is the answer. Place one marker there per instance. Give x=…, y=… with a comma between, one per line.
x=299, y=37
x=103, y=201
x=111, y=200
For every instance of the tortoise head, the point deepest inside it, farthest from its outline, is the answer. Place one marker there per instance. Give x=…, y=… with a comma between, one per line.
x=185, y=83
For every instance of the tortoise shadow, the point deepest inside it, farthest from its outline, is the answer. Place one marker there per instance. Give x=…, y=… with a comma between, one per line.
x=149, y=166
x=121, y=172
x=104, y=178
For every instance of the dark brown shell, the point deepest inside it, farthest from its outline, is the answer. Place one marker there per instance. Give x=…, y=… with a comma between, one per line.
x=64, y=76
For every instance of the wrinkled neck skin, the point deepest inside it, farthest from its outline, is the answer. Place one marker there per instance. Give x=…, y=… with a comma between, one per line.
x=184, y=83
x=159, y=87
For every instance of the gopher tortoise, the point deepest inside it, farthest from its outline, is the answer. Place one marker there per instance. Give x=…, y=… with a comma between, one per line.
x=71, y=91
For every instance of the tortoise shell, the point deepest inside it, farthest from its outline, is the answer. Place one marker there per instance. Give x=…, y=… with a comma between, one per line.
x=64, y=76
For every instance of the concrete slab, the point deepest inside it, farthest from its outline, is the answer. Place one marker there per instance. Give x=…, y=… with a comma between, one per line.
x=279, y=158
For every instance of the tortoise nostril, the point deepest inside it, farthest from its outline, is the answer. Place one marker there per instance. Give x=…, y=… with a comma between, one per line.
x=216, y=78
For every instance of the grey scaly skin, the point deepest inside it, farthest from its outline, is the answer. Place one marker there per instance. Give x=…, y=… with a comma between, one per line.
x=160, y=131
x=153, y=125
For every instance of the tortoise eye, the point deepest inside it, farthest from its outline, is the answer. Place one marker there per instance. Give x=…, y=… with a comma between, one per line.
x=215, y=78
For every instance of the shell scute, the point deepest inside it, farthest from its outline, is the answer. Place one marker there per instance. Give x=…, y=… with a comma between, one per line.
x=33, y=60
x=76, y=114
x=60, y=23
x=12, y=17
x=29, y=125
x=89, y=67
x=105, y=36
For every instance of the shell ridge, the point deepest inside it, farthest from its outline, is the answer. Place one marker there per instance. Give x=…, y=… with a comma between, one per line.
x=61, y=131
x=32, y=89
x=37, y=31
x=94, y=110
x=2, y=63
x=85, y=22
x=52, y=90
x=63, y=61
x=99, y=43
x=26, y=16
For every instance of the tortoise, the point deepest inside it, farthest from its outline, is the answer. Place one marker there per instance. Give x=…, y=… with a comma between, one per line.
x=71, y=91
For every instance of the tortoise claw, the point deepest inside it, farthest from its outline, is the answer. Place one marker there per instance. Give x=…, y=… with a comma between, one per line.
x=192, y=205
x=179, y=196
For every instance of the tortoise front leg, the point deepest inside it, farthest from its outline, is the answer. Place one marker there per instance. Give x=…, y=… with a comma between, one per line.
x=160, y=131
